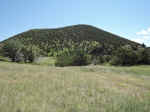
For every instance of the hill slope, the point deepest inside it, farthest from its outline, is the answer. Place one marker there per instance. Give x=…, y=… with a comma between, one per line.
x=47, y=39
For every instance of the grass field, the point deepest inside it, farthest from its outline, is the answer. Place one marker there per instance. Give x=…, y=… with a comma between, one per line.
x=36, y=88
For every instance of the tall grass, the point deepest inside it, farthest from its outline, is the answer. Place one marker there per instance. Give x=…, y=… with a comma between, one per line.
x=31, y=88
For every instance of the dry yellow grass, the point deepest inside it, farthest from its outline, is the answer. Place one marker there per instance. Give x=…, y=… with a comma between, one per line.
x=32, y=88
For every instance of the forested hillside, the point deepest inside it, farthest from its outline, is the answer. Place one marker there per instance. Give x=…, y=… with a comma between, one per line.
x=47, y=39
x=75, y=45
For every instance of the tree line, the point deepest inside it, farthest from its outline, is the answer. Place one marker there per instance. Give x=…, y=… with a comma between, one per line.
x=73, y=53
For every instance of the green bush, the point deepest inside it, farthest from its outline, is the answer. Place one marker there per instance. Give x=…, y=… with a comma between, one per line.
x=75, y=57
x=12, y=49
x=19, y=56
x=143, y=56
x=127, y=55
x=17, y=52
x=31, y=53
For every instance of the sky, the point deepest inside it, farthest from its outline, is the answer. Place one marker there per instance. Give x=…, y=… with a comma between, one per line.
x=127, y=18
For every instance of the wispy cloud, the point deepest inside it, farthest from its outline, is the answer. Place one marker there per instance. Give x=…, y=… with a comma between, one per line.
x=143, y=36
x=144, y=32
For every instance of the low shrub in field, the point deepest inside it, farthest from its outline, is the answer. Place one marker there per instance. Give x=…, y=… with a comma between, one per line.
x=31, y=53
x=17, y=52
x=76, y=57
x=101, y=59
x=11, y=49
x=127, y=55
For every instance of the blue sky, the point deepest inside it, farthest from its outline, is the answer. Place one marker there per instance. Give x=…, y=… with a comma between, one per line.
x=127, y=18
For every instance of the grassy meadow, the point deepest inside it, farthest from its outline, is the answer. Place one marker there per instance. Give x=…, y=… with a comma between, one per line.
x=37, y=88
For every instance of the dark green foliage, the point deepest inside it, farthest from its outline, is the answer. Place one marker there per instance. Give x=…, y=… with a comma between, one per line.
x=146, y=56
x=11, y=49
x=127, y=55
x=73, y=57
x=143, y=45
x=31, y=53
x=17, y=52
x=77, y=54
x=19, y=56
x=51, y=41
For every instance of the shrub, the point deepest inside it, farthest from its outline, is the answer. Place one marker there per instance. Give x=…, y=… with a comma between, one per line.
x=127, y=55
x=31, y=53
x=145, y=56
x=76, y=57
x=19, y=57
x=17, y=52
x=11, y=49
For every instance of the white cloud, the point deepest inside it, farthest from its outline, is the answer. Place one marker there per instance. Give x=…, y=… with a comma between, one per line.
x=148, y=29
x=137, y=40
x=143, y=32
x=143, y=37
x=142, y=40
